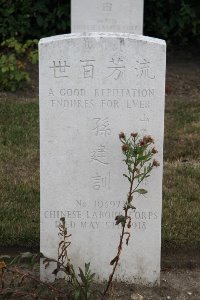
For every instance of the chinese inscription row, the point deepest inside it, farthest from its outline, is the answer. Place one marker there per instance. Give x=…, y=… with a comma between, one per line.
x=82, y=112
x=116, y=68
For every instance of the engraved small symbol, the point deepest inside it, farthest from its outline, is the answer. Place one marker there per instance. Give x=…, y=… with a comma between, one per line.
x=117, y=68
x=99, y=155
x=144, y=118
x=101, y=182
x=144, y=69
x=107, y=6
x=102, y=127
x=88, y=68
x=60, y=69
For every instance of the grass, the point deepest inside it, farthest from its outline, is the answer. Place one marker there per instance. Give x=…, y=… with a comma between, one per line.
x=182, y=127
x=181, y=201
x=19, y=174
x=181, y=209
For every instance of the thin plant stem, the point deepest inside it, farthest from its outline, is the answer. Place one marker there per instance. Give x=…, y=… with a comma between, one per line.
x=121, y=239
x=137, y=155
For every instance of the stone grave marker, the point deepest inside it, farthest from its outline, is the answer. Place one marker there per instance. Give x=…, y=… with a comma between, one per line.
x=107, y=16
x=92, y=87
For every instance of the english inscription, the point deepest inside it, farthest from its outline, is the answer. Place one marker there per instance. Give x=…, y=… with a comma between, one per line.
x=101, y=219
x=115, y=99
x=92, y=87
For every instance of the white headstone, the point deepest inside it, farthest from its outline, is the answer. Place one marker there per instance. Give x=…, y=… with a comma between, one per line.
x=107, y=16
x=92, y=87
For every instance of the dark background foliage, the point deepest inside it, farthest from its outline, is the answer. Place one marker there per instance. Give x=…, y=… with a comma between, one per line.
x=177, y=21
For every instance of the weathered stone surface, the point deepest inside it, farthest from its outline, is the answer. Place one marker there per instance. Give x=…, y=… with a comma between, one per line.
x=92, y=87
x=107, y=16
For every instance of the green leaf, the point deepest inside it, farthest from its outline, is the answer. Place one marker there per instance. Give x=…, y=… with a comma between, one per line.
x=140, y=191
x=15, y=260
x=131, y=206
x=77, y=294
x=120, y=219
x=55, y=271
x=139, y=175
x=82, y=276
x=127, y=177
x=4, y=69
x=92, y=276
x=114, y=260
x=144, y=158
x=87, y=267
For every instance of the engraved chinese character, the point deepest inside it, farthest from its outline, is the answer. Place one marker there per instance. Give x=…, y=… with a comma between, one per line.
x=107, y=6
x=88, y=68
x=117, y=68
x=102, y=127
x=144, y=69
x=99, y=155
x=101, y=182
x=144, y=118
x=60, y=69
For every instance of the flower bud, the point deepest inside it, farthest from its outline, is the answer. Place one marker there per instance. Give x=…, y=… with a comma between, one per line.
x=129, y=225
x=122, y=135
x=147, y=139
x=156, y=163
x=142, y=143
x=154, y=151
x=134, y=135
x=125, y=147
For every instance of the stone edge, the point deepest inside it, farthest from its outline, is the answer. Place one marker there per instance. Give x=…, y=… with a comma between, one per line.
x=99, y=35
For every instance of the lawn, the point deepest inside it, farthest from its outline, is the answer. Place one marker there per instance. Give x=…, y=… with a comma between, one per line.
x=19, y=173
x=181, y=201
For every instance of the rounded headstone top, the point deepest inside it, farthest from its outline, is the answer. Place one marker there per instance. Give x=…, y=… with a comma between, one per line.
x=99, y=35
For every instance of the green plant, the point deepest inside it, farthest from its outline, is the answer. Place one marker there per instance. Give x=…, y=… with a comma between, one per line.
x=174, y=20
x=12, y=73
x=13, y=279
x=83, y=289
x=138, y=159
x=13, y=63
x=33, y=19
x=79, y=289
